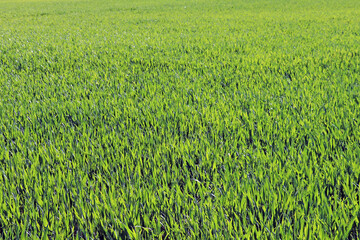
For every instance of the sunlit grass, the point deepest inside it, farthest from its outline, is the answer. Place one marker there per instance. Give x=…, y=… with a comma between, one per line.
x=179, y=119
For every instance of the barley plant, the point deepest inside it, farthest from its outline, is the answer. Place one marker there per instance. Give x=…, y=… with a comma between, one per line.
x=179, y=119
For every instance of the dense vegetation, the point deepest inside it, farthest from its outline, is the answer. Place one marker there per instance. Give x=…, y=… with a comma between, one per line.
x=179, y=119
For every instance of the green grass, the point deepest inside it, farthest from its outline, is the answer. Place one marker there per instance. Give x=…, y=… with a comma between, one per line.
x=180, y=119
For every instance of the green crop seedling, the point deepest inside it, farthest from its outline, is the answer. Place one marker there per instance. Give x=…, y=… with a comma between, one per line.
x=190, y=119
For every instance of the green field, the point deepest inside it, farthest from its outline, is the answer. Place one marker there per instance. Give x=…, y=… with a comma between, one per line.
x=180, y=119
